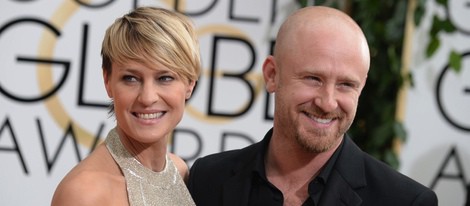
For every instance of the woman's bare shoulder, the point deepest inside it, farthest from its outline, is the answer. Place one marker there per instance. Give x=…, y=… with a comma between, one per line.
x=84, y=188
x=90, y=183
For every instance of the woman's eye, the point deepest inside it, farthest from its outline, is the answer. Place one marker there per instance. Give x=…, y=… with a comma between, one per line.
x=166, y=78
x=129, y=78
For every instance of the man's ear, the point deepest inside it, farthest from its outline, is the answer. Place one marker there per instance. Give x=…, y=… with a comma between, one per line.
x=106, y=79
x=269, y=73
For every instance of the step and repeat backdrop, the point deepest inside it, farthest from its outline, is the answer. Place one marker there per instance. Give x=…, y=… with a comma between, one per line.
x=437, y=117
x=53, y=105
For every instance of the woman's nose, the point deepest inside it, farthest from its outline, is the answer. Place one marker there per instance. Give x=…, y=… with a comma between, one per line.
x=148, y=94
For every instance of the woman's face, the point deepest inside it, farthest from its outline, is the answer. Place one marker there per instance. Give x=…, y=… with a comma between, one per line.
x=149, y=99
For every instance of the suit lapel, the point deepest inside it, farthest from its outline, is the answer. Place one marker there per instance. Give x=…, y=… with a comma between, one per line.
x=236, y=190
x=347, y=176
x=339, y=192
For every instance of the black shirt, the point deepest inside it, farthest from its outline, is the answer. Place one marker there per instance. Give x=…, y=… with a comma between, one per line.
x=264, y=193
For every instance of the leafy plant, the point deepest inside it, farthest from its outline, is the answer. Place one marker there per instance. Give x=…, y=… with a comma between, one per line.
x=439, y=25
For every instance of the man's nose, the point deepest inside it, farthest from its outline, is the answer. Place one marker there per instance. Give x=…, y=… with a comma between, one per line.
x=326, y=99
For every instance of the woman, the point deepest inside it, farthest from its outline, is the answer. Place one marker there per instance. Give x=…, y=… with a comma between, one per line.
x=151, y=63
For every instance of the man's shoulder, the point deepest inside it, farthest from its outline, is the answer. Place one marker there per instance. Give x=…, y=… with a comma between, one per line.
x=378, y=183
x=377, y=172
x=229, y=157
x=398, y=186
x=381, y=175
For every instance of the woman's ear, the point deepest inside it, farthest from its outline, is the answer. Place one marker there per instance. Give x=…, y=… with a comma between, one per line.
x=106, y=79
x=190, y=89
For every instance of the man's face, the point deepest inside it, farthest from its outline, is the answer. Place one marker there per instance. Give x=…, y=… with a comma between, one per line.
x=317, y=87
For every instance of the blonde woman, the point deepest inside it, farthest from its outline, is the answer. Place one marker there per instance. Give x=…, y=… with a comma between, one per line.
x=151, y=63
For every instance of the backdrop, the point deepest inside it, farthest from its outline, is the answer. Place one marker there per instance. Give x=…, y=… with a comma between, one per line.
x=53, y=106
x=437, y=115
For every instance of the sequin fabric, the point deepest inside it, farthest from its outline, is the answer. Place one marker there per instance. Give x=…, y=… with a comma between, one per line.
x=144, y=186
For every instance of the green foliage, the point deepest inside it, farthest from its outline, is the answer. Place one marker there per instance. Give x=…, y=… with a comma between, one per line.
x=432, y=47
x=419, y=11
x=376, y=129
x=438, y=25
x=455, y=61
x=302, y=3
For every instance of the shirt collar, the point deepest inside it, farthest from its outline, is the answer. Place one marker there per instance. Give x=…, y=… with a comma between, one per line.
x=326, y=171
x=259, y=166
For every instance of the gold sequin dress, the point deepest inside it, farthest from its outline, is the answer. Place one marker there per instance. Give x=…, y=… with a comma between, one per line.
x=144, y=186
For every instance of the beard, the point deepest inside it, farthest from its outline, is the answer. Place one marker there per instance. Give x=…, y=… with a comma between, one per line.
x=318, y=142
x=322, y=140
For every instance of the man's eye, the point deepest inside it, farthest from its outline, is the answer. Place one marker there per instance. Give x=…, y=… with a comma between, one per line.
x=313, y=80
x=348, y=85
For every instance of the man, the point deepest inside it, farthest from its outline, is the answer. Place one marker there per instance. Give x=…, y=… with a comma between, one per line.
x=317, y=72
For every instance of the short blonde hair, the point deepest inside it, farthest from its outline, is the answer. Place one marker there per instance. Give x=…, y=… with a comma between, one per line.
x=149, y=35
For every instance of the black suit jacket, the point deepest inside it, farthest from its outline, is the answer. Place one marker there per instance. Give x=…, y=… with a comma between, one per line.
x=224, y=179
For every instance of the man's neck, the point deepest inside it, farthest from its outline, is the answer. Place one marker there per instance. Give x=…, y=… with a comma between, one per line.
x=291, y=168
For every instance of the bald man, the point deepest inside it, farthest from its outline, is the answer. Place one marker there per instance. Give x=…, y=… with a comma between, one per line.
x=317, y=72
